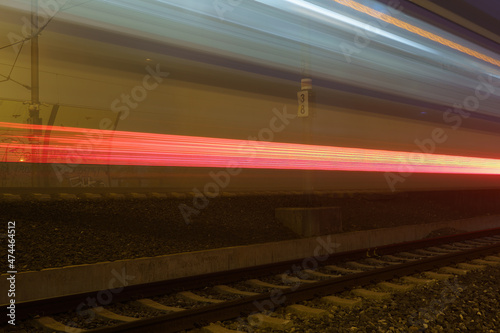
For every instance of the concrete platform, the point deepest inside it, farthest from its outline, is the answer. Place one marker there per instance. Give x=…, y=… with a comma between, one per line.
x=108, y=276
x=308, y=222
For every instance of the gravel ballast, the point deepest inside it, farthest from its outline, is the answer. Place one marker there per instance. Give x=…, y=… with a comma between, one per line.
x=466, y=303
x=62, y=233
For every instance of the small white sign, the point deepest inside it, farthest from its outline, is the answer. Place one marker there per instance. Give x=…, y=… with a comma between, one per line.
x=303, y=97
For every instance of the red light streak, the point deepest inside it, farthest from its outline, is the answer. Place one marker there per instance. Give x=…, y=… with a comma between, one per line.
x=85, y=146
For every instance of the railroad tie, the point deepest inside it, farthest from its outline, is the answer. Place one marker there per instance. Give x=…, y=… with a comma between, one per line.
x=428, y=253
x=108, y=315
x=357, y=265
x=213, y=328
x=306, y=311
x=91, y=196
x=262, y=284
x=438, y=276
x=419, y=281
x=320, y=275
x=157, y=195
x=381, y=263
x=285, y=278
x=67, y=196
x=115, y=196
x=485, y=262
x=409, y=255
x=190, y=296
x=342, y=302
x=233, y=291
x=41, y=196
x=453, y=270
x=470, y=267
x=450, y=247
x=11, y=197
x=342, y=270
x=370, y=294
x=264, y=321
x=441, y=249
x=49, y=324
x=135, y=195
x=393, y=287
x=150, y=304
x=390, y=257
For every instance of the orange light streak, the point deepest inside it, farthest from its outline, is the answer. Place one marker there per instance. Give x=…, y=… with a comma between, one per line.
x=416, y=30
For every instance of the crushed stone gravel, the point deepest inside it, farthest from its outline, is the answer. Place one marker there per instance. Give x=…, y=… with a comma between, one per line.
x=467, y=303
x=62, y=233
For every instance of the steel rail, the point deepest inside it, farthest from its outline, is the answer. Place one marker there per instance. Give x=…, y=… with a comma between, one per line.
x=50, y=306
x=196, y=318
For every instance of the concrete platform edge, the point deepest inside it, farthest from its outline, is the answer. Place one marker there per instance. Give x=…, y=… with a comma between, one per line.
x=113, y=275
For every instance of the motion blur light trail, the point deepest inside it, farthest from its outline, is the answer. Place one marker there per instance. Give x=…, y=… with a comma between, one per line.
x=416, y=30
x=85, y=146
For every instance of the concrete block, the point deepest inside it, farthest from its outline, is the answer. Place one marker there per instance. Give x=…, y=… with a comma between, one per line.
x=309, y=222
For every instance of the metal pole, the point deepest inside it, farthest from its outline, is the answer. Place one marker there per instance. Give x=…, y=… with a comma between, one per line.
x=34, y=108
x=35, y=90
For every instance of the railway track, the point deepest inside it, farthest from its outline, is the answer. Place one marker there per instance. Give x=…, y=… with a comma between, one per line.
x=250, y=291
